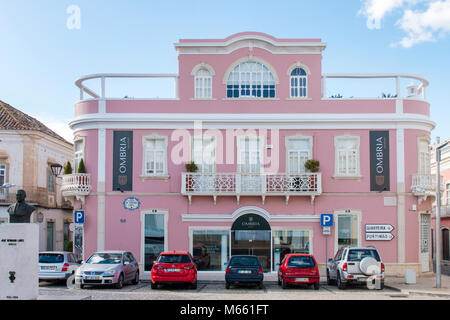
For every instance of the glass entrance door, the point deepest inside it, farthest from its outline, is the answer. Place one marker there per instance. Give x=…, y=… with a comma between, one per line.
x=251, y=235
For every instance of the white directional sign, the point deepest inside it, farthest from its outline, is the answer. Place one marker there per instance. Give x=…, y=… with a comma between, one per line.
x=379, y=228
x=379, y=236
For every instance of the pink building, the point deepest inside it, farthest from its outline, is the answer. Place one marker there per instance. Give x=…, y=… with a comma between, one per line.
x=250, y=111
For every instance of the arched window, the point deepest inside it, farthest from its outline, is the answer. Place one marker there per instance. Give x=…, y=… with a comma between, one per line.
x=203, y=84
x=298, y=83
x=250, y=80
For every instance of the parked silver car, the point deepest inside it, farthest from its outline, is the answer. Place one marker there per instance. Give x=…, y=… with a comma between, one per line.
x=108, y=268
x=355, y=265
x=56, y=265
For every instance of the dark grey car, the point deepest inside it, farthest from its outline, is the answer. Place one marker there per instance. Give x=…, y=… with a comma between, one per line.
x=244, y=269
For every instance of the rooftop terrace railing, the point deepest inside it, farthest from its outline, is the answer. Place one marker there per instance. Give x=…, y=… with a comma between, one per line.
x=414, y=90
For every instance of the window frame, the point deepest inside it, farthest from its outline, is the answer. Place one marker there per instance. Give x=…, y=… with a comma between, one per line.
x=206, y=84
x=288, y=151
x=227, y=81
x=352, y=213
x=203, y=137
x=337, y=150
x=78, y=155
x=423, y=157
x=5, y=178
x=145, y=139
x=299, y=87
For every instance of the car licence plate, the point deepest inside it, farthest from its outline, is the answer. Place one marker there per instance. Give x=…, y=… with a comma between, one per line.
x=172, y=270
x=92, y=278
x=52, y=268
x=245, y=271
x=301, y=279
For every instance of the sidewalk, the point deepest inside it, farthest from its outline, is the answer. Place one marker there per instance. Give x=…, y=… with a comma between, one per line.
x=425, y=285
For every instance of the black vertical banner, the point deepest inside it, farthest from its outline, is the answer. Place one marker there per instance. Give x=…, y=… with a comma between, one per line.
x=123, y=161
x=379, y=161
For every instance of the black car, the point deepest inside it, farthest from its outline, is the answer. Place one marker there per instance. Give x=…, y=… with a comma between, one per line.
x=244, y=269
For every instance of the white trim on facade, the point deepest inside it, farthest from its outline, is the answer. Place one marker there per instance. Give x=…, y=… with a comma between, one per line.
x=252, y=121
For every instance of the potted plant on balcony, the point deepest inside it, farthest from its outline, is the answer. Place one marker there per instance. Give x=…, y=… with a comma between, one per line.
x=313, y=166
x=68, y=168
x=81, y=167
x=190, y=167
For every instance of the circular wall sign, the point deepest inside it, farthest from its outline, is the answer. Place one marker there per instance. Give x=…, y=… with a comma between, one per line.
x=131, y=203
x=72, y=227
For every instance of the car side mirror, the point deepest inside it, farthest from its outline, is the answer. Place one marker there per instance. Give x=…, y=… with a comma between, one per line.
x=80, y=261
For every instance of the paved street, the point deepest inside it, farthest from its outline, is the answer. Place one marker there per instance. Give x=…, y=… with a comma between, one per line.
x=216, y=291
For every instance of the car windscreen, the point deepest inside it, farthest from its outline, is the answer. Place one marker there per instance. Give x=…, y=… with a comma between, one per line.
x=244, y=262
x=301, y=262
x=174, y=258
x=105, y=258
x=359, y=254
x=51, y=258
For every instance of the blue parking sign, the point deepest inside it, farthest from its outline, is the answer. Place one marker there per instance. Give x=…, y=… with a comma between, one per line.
x=326, y=220
x=79, y=216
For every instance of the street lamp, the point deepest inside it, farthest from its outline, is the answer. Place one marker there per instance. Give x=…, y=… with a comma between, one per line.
x=56, y=169
x=438, y=213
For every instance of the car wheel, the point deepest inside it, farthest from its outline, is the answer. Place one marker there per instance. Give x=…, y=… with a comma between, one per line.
x=119, y=284
x=260, y=285
x=283, y=283
x=279, y=281
x=339, y=282
x=136, y=278
x=194, y=285
x=329, y=281
x=316, y=286
x=154, y=285
x=81, y=286
x=227, y=285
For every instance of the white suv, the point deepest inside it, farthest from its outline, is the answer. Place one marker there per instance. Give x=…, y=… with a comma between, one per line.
x=355, y=265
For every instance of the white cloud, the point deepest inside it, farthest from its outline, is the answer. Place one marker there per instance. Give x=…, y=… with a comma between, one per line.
x=58, y=125
x=419, y=25
x=376, y=10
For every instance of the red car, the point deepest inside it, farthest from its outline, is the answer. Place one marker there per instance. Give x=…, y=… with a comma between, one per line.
x=174, y=267
x=298, y=269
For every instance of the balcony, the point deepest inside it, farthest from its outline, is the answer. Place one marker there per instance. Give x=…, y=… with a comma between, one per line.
x=424, y=185
x=444, y=211
x=77, y=185
x=237, y=184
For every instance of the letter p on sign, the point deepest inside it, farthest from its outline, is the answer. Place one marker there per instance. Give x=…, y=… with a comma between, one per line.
x=326, y=220
x=79, y=216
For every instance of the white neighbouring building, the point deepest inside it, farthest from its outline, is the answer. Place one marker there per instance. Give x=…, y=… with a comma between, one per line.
x=27, y=149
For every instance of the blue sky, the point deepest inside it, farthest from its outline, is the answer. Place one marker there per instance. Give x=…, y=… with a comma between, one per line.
x=40, y=58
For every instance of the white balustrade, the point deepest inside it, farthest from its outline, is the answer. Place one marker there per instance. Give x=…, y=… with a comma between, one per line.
x=264, y=184
x=76, y=185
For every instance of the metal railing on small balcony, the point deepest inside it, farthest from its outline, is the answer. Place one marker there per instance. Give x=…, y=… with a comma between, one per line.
x=424, y=185
x=76, y=185
x=239, y=184
x=444, y=211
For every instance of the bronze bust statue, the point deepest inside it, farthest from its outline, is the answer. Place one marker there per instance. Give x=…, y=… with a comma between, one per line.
x=20, y=212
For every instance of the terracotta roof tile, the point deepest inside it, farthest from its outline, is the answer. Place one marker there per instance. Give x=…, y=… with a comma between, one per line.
x=13, y=119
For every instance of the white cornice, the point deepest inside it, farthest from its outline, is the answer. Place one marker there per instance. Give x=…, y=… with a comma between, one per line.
x=252, y=121
x=250, y=41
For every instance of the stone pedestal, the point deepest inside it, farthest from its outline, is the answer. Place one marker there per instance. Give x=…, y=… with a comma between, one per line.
x=19, y=262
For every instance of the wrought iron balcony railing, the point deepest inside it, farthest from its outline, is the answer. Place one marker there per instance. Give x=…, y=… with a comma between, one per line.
x=424, y=185
x=261, y=184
